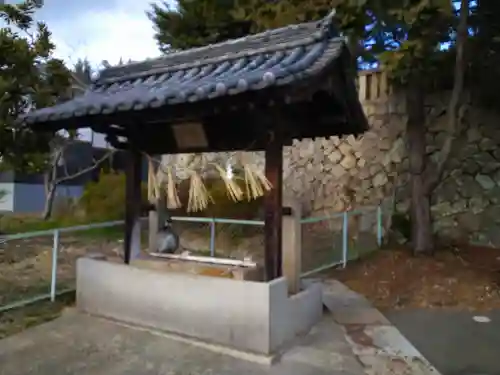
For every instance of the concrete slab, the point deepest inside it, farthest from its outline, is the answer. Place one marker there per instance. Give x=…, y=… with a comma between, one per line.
x=359, y=315
x=387, y=340
x=83, y=345
x=379, y=346
x=452, y=340
x=349, y=307
x=393, y=365
x=325, y=345
x=337, y=296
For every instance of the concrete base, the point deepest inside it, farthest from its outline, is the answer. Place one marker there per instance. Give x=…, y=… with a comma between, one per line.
x=244, y=315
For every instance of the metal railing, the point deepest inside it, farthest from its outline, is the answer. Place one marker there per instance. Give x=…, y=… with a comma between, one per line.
x=212, y=222
x=55, y=233
x=332, y=257
x=56, y=244
x=323, y=258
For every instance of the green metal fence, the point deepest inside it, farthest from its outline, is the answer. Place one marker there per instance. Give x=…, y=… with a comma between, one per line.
x=41, y=265
x=333, y=240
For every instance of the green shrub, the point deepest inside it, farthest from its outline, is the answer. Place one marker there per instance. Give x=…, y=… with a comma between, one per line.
x=64, y=208
x=104, y=200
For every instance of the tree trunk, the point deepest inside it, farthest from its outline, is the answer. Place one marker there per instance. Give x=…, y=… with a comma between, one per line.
x=422, y=239
x=49, y=202
x=426, y=175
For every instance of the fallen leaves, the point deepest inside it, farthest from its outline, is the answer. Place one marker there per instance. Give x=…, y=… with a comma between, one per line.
x=395, y=279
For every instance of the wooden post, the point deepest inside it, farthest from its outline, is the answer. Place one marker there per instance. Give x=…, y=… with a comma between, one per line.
x=157, y=217
x=133, y=204
x=273, y=207
x=292, y=246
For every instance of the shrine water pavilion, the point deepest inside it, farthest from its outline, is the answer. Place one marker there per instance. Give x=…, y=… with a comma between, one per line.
x=256, y=93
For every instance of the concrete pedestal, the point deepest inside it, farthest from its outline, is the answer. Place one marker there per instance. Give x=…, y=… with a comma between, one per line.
x=244, y=315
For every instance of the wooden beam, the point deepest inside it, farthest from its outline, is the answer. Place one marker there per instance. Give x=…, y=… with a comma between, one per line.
x=133, y=205
x=273, y=207
x=157, y=219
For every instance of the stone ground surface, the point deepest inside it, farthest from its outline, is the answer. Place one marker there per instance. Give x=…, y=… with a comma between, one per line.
x=353, y=338
x=80, y=344
x=378, y=345
x=452, y=340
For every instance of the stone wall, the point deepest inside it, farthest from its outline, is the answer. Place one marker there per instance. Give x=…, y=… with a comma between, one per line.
x=331, y=175
x=466, y=205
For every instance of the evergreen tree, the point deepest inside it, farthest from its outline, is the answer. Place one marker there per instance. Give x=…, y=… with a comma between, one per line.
x=195, y=23
x=30, y=77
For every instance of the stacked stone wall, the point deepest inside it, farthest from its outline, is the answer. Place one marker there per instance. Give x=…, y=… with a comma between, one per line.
x=336, y=174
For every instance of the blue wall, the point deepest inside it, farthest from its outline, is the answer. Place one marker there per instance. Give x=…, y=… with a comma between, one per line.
x=30, y=198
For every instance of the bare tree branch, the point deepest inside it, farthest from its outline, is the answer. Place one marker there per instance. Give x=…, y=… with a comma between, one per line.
x=51, y=174
x=85, y=170
x=50, y=177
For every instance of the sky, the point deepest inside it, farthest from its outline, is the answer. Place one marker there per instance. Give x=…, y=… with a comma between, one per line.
x=100, y=29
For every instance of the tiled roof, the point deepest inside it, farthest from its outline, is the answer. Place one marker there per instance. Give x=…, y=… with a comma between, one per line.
x=272, y=58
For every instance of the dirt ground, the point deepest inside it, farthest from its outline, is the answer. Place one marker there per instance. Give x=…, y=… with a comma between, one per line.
x=465, y=278
x=25, y=265
x=25, y=272
x=17, y=320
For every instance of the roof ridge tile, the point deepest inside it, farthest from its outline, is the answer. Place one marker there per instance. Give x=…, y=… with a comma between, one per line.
x=267, y=41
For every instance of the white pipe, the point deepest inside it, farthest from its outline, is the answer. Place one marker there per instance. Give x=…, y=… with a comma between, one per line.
x=202, y=259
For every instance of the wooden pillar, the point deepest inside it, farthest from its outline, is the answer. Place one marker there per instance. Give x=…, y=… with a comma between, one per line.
x=292, y=246
x=133, y=204
x=157, y=217
x=273, y=207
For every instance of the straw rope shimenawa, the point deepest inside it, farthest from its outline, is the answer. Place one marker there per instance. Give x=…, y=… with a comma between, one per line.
x=164, y=180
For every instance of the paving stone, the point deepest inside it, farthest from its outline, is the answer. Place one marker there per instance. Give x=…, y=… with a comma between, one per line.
x=359, y=315
x=379, y=346
x=336, y=295
x=391, y=365
x=392, y=342
x=334, y=301
x=76, y=344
